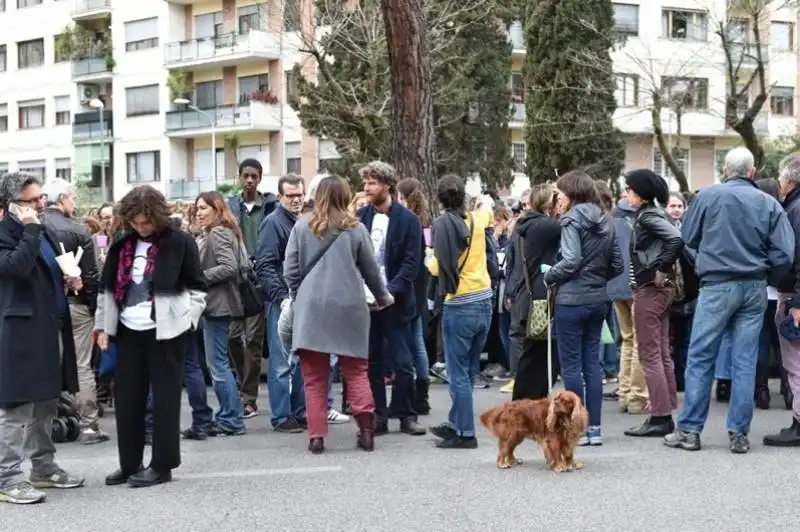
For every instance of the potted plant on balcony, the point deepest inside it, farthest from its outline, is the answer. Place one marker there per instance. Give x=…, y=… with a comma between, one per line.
x=74, y=43
x=179, y=85
x=263, y=97
x=231, y=144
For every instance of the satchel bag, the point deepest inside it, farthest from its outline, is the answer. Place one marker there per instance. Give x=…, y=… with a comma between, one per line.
x=538, y=324
x=286, y=318
x=250, y=291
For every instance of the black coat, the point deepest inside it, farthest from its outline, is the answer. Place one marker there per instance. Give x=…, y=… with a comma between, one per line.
x=30, y=369
x=540, y=235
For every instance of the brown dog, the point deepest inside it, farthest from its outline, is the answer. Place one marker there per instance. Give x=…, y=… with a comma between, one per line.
x=556, y=424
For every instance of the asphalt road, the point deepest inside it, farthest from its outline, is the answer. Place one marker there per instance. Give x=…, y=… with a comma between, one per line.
x=269, y=481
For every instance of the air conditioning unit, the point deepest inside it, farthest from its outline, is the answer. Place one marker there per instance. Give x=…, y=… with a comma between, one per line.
x=88, y=92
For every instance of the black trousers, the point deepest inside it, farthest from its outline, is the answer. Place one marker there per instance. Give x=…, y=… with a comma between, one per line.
x=531, y=379
x=391, y=350
x=143, y=361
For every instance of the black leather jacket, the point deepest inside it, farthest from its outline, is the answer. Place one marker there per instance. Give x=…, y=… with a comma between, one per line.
x=73, y=235
x=655, y=245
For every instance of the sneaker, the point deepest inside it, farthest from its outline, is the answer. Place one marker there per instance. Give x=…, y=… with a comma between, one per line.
x=193, y=433
x=443, y=431
x=337, y=418
x=508, y=388
x=595, y=436
x=439, y=370
x=459, y=442
x=90, y=436
x=22, y=493
x=491, y=370
x=584, y=440
x=290, y=426
x=240, y=431
x=250, y=411
x=609, y=377
x=612, y=395
x=688, y=441
x=481, y=382
x=58, y=480
x=739, y=444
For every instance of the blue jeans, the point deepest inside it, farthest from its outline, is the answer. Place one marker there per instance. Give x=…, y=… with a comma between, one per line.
x=194, y=381
x=464, y=331
x=421, y=352
x=609, y=354
x=722, y=369
x=578, y=330
x=215, y=334
x=735, y=308
x=284, y=378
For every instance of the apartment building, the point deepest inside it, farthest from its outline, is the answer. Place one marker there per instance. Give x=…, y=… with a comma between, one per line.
x=672, y=47
x=115, y=93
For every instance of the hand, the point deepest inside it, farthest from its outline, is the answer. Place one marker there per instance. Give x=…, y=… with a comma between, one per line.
x=507, y=304
x=795, y=312
x=73, y=283
x=660, y=279
x=26, y=215
x=101, y=339
x=385, y=303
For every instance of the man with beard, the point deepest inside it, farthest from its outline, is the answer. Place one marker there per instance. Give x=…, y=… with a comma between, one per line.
x=396, y=237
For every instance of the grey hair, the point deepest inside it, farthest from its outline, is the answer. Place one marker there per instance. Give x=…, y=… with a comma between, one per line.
x=12, y=185
x=381, y=171
x=790, y=169
x=739, y=163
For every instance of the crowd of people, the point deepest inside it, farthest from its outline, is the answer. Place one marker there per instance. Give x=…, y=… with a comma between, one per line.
x=658, y=292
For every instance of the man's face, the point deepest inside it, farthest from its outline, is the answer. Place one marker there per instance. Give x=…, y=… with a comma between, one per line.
x=106, y=217
x=375, y=191
x=786, y=187
x=250, y=179
x=526, y=202
x=291, y=197
x=67, y=203
x=142, y=225
x=32, y=197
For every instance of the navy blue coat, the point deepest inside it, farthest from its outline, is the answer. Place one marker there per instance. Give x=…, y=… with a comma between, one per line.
x=273, y=235
x=403, y=255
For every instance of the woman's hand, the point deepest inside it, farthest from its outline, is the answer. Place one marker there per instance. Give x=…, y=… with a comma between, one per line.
x=101, y=340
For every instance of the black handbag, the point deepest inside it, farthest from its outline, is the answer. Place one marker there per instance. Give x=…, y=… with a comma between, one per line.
x=250, y=291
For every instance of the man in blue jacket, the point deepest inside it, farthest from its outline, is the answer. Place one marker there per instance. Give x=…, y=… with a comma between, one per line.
x=741, y=234
x=396, y=236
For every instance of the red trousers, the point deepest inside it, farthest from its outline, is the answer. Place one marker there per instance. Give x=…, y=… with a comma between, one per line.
x=315, y=367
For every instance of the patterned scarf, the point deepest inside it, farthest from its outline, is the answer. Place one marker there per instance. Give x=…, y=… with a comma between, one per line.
x=125, y=265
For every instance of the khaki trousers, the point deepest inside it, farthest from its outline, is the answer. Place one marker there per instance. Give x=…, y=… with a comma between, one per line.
x=82, y=326
x=632, y=386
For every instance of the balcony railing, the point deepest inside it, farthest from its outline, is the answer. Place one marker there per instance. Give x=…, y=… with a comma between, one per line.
x=91, y=132
x=225, y=116
x=190, y=189
x=80, y=7
x=257, y=42
x=516, y=36
x=89, y=67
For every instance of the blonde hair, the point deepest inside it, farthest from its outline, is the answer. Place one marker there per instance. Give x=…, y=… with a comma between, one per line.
x=331, y=207
x=542, y=197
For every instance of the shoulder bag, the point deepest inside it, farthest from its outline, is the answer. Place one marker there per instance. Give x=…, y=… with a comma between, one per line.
x=539, y=310
x=250, y=290
x=286, y=319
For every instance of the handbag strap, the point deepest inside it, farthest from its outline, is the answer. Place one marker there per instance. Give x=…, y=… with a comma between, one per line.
x=525, y=267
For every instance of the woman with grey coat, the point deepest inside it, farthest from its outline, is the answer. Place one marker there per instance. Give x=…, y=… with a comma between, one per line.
x=220, y=251
x=329, y=258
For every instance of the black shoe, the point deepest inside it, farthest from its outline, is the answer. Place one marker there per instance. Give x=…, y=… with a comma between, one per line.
x=194, y=434
x=149, y=477
x=723, y=390
x=762, y=398
x=421, y=404
x=443, y=431
x=303, y=422
x=458, y=443
x=316, y=445
x=290, y=426
x=381, y=428
x=688, y=441
x=612, y=395
x=788, y=437
x=738, y=444
x=119, y=477
x=648, y=429
x=410, y=426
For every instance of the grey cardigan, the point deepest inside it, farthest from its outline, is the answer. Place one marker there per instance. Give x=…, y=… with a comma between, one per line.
x=219, y=249
x=330, y=306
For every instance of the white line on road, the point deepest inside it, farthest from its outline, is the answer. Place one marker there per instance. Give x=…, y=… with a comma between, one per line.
x=262, y=472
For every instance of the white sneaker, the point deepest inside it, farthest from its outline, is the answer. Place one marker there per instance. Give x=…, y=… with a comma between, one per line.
x=22, y=493
x=337, y=418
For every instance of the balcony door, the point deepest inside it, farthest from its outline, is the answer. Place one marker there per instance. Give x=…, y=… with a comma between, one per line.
x=208, y=26
x=203, y=164
x=209, y=94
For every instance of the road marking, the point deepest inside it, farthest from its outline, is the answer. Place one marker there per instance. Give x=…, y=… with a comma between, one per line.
x=261, y=472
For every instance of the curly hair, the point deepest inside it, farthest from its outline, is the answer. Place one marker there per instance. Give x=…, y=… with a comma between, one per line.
x=411, y=189
x=381, y=172
x=143, y=200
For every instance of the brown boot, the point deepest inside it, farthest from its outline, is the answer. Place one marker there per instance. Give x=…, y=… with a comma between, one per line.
x=366, y=431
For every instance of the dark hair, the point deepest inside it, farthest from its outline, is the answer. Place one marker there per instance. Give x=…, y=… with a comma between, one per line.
x=290, y=179
x=215, y=200
x=680, y=197
x=252, y=163
x=770, y=186
x=451, y=193
x=411, y=189
x=579, y=187
x=605, y=195
x=147, y=201
x=105, y=206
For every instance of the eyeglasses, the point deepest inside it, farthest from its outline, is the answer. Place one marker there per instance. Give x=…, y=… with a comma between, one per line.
x=32, y=201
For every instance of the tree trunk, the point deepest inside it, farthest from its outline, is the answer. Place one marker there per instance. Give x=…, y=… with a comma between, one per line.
x=412, y=113
x=666, y=153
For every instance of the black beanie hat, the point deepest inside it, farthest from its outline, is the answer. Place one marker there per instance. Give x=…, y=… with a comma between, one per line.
x=648, y=185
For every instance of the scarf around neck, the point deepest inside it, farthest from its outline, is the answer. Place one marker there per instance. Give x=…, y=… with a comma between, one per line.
x=125, y=265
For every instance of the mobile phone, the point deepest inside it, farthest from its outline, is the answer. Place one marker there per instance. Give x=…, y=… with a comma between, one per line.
x=426, y=232
x=101, y=241
x=14, y=209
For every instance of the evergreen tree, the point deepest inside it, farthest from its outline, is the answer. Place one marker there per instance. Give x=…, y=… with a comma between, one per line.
x=569, y=101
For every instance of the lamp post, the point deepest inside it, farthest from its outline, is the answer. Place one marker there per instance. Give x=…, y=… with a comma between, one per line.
x=98, y=104
x=187, y=103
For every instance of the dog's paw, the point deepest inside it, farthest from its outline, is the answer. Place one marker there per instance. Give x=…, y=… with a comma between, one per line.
x=577, y=465
x=503, y=465
x=561, y=469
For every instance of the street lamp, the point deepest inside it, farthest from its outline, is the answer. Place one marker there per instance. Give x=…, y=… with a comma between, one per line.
x=187, y=103
x=97, y=103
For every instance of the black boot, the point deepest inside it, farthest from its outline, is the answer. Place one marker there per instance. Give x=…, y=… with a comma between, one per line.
x=762, y=396
x=421, y=404
x=789, y=437
x=723, y=390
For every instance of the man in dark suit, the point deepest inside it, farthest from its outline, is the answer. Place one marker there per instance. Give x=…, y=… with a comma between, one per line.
x=37, y=352
x=396, y=236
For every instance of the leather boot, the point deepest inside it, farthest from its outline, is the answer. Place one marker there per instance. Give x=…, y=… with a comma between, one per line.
x=723, y=390
x=421, y=404
x=762, y=395
x=366, y=431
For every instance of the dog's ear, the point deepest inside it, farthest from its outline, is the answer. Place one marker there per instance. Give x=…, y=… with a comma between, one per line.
x=550, y=420
x=577, y=409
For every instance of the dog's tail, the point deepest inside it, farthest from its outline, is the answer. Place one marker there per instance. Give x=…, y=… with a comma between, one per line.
x=490, y=417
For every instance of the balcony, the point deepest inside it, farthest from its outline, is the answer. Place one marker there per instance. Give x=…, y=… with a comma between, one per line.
x=227, y=119
x=517, y=39
x=228, y=49
x=183, y=189
x=94, y=69
x=517, y=119
x=90, y=9
x=86, y=128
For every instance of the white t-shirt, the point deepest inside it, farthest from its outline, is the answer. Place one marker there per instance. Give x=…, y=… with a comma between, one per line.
x=380, y=226
x=772, y=293
x=137, y=308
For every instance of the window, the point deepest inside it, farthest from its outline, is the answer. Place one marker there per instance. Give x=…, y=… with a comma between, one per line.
x=64, y=169
x=251, y=84
x=31, y=53
x=2, y=57
x=291, y=20
x=3, y=117
x=249, y=19
x=293, y=158
x=326, y=153
x=738, y=31
x=27, y=3
x=719, y=165
x=691, y=93
x=141, y=100
x=744, y=99
x=781, y=101
x=204, y=163
x=144, y=167
x=62, y=110
x=209, y=25
x=518, y=154
x=36, y=167
x=517, y=87
x=626, y=19
x=141, y=34
x=783, y=36
x=208, y=94
x=291, y=86
x=31, y=114
x=660, y=166
x=59, y=57
x=688, y=25
x=627, y=90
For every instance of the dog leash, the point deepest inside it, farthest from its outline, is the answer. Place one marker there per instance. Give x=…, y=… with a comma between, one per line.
x=549, y=347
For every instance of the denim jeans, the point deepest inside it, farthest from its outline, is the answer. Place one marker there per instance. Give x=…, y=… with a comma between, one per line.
x=284, y=378
x=766, y=340
x=195, y=384
x=578, y=332
x=464, y=331
x=216, y=334
x=420, y=353
x=735, y=308
x=609, y=353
